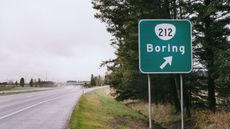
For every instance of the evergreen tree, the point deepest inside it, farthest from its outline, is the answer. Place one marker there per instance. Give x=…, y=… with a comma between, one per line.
x=210, y=19
x=211, y=48
x=22, y=82
x=31, y=82
x=16, y=83
x=92, y=81
x=122, y=18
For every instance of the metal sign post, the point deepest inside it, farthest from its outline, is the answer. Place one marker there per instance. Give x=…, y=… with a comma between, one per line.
x=182, y=101
x=150, y=107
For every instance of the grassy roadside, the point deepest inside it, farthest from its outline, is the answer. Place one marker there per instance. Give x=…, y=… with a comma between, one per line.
x=13, y=87
x=8, y=90
x=97, y=110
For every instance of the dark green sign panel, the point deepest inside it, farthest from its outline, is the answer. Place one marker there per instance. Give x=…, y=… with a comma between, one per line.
x=165, y=46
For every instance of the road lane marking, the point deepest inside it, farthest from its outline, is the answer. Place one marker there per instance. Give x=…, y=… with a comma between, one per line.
x=31, y=106
x=45, y=101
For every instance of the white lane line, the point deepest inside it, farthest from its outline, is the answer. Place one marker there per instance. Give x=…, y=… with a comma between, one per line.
x=34, y=105
x=26, y=108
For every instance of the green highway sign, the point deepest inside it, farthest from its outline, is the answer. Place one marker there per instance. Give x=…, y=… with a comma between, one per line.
x=165, y=46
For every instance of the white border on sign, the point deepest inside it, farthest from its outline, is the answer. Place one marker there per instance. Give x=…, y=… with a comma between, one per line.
x=175, y=72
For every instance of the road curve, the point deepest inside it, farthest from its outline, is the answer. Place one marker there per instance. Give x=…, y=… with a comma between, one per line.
x=39, y=110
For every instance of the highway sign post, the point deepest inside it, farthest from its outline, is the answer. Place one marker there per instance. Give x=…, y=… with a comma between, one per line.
x=165, y=47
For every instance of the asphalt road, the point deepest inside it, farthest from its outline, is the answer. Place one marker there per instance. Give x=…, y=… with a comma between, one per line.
x=39, y=110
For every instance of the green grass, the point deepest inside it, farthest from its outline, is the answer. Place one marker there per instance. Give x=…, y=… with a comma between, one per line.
x=97, y=110
x=13, y=87
x=4, y=88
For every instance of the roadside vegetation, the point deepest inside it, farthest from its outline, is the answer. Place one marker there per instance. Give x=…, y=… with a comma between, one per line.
x=12, y=87
x=100, y=111
x=166, y=116
x=97, y=110
x=95, y=81
x=3, y=88
x=32, y=83
x=206, y=88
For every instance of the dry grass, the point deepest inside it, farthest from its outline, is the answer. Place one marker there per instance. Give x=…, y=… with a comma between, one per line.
x=166, y=117
x=161, y=114
x=209, y=120
x=168, y=113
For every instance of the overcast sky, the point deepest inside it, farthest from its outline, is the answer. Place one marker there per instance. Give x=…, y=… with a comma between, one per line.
x=58, y=37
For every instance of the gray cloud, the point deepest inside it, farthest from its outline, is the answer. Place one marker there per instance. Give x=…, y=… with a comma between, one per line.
x=57, y=37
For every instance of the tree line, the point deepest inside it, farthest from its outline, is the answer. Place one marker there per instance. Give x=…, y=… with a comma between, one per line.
x=95, y=81
x=208, y=86
x=32, y=83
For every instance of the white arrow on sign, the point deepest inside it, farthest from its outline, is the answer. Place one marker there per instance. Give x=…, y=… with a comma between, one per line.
x=168, y=60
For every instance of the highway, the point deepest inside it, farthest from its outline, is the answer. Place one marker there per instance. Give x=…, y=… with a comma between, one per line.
x=39, y=110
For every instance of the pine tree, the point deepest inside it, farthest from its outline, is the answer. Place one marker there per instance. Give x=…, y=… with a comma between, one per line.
x=122, y=18
x=22, y=82
x=39, y=82
x=92, y=81
x=16, y=83
x=31, y=82
x=211, y=48
x=210, y=18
